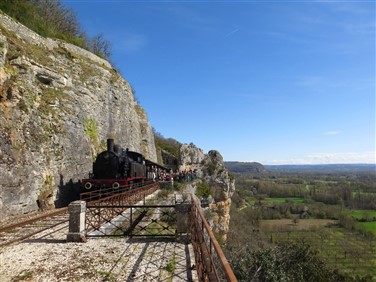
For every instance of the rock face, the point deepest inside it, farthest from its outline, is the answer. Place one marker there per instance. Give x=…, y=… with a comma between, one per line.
x=58, y=105
x=223, y=187
x=191, y=157
x=169, y=160
x=211, y=168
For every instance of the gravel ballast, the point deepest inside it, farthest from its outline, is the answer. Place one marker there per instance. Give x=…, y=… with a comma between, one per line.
x=48, y=257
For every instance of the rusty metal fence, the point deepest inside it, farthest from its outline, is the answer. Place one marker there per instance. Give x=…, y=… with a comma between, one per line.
x=211, y=263
x=106, y=208
x=114, y=213
x=120, y=194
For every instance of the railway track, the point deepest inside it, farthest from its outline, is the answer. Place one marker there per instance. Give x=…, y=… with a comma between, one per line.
x=25, y=229
x=22, y=230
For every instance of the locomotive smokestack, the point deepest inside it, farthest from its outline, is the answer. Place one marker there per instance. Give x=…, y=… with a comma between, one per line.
x=110, y=145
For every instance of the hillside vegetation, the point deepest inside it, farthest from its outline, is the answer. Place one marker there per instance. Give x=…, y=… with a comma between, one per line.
x=245, y=167
x=166, y=146
x=50, y=18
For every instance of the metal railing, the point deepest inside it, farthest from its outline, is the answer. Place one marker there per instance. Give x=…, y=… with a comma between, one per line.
x=112, y=194
x=104, y=205
x=211, y=263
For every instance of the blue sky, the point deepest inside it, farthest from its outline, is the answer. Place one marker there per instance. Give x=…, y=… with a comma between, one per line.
x=277, y=82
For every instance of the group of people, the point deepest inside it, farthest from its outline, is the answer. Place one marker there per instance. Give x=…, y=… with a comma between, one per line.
x=156, y=173
x=186, y=175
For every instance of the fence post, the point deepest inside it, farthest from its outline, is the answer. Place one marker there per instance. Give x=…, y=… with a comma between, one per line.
x=77, y=215
x=183, y=221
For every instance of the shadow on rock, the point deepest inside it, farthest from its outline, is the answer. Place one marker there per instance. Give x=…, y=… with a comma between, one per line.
x=67, y=192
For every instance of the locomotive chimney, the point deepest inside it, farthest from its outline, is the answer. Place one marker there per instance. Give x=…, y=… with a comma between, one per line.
x=110, y=144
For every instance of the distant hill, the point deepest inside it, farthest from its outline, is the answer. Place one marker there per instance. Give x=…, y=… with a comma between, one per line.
x=323, y=168
x=258, y=168
x=245, y=167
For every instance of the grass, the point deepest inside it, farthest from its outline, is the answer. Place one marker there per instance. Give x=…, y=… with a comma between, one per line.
x=283, y=225
x=369, y=226
x=171, y=265
x=363, y=214
x=165, y=225
x=91, y=131
x=283, y=200
x=107, y=276
x=151, y=223
x=170, y=268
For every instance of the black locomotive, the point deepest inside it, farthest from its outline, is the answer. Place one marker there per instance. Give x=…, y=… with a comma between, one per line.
x=116, y=168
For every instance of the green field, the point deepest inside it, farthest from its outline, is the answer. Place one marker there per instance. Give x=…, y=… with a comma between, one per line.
x=363, y=214
x=283, y=200
x=340, y=248
x=369, y=226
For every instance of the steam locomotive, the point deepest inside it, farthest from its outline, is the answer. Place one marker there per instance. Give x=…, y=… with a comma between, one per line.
x=117, y=167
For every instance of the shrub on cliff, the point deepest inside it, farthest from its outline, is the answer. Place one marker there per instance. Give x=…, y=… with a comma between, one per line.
x=168, y=144
x=203, y=190
x=50, y=18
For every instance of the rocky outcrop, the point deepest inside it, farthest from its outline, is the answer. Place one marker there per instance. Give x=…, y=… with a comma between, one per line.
x=211, y=169
x=58, y=104
x=191, y=158
x=217, y=176
x=220, y=221
x=223, y=187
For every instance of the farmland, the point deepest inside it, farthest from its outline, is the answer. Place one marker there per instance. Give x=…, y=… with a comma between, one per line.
x=334, y=213
x=341, y=249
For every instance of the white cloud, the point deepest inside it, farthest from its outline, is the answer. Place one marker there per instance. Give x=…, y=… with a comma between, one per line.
x=330, y=158
x=332, y=132
x=232, y=32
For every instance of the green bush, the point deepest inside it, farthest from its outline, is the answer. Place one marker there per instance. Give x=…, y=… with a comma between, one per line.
x=203, y=190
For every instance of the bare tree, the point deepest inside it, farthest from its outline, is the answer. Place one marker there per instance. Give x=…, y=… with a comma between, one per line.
x=100, y=46
x=57, y=16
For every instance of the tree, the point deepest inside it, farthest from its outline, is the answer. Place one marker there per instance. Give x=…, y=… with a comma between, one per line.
x=284, y=262
x=100, y=46
x=60, y=18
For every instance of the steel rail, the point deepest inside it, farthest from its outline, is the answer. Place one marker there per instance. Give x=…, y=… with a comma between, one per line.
x=130, y=206
x=24, y=223
x=31, y=234
x=32, y=220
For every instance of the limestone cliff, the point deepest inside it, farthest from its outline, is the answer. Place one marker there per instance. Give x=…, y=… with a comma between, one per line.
x=58, y=104
x=191, y=158
x=211, y=168
x=223, y=187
